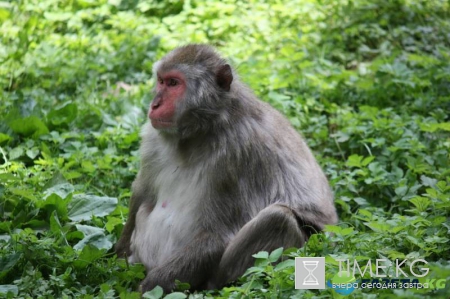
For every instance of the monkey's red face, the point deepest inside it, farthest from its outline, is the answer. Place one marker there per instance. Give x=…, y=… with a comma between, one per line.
x=170, y=89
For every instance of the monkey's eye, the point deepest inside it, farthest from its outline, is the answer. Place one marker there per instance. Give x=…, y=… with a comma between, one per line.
x=172, y=82
x=160, y=81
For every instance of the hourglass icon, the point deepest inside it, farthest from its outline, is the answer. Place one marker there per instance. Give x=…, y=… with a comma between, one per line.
x=310, y=279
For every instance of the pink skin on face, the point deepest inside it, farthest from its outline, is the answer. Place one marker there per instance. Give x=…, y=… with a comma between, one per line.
x=169, y=90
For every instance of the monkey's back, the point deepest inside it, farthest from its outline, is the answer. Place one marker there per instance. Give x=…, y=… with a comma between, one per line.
x=258, y=160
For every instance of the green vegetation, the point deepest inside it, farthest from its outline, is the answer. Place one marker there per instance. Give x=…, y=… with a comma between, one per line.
x=366, y=82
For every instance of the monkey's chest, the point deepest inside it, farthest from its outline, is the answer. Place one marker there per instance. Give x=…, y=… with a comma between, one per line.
x=169, y=227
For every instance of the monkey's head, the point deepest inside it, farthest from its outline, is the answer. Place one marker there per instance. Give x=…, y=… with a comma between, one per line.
x=192, y=89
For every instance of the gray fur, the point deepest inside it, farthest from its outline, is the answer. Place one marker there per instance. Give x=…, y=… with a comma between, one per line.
x=253, y=181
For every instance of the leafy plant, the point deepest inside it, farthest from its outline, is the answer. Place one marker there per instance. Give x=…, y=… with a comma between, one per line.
x=366, y=82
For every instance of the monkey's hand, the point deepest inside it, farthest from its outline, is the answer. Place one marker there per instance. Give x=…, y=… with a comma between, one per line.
x=156, y=277
x=122, y=247
x=193, y=264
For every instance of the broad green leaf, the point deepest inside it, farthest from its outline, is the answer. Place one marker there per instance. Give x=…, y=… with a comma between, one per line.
x=84, y=206
x=333, y=229
x=88, y=255
x=32, y=153
x=445, y=126
x=112, y=223
x=55, y=203
x=347, y=231
x=421, y=203
x=9, y=288
x=4, y=138
x=29, y=126
x=63, y=115
x=87, y=166
x=8, y=261
x=367, y=160
x=261, y=255
x=354, y=161
x=175, y=295
x=156, y=293
x=16, y=153
x=94, y=236
x=182, y=286
x=62, y=190
x=276, y=254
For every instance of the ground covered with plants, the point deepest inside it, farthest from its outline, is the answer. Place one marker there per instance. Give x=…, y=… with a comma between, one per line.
x=366, y=82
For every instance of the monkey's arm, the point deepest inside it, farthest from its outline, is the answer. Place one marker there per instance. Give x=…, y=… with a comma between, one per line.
x=122, y=247
x=193, y=264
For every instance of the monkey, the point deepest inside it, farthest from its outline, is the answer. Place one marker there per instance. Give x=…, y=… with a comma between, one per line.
x=223, y=176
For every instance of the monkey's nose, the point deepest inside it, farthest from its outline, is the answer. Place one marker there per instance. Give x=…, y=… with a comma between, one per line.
x=156, y=103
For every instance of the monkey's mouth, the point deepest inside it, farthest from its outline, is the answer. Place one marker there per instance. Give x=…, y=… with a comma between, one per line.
x=159, y=123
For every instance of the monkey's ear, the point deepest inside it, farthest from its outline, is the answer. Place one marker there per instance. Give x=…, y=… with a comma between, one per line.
x=224, y=77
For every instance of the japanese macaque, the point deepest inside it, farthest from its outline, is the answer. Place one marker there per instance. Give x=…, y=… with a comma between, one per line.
x=223, y=176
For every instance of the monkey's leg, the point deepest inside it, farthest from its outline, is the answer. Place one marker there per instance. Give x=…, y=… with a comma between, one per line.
x=275, y=226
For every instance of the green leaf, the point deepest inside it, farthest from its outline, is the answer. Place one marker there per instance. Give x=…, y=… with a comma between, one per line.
x=275, y=255
x=33, y=152
x=62, y=190
x=16, y=153
x=83, y=206
x=182, y=286
x=63, y=115
x=378, y=227
x=4, y=138
x=427, y=181
x=55, y=224
x=88, y=255
x=354, y=161
x=175, y=295
x=421, y=203
x=401, y=191
x=88, y=166
x=9, y=288
x=156, y=293
x=24, y=193
x=55, y=203
x=29, y=126
x=94, y=236
x=261, y=255
x=347, y=231
x=445, y=126
x=367, y=160
x=290, y=263
x=8, y=261
x=333, y=229
x=4, y=177
x=112, y=223
x=253, y=270
x=278, y=97
x=57, y=16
